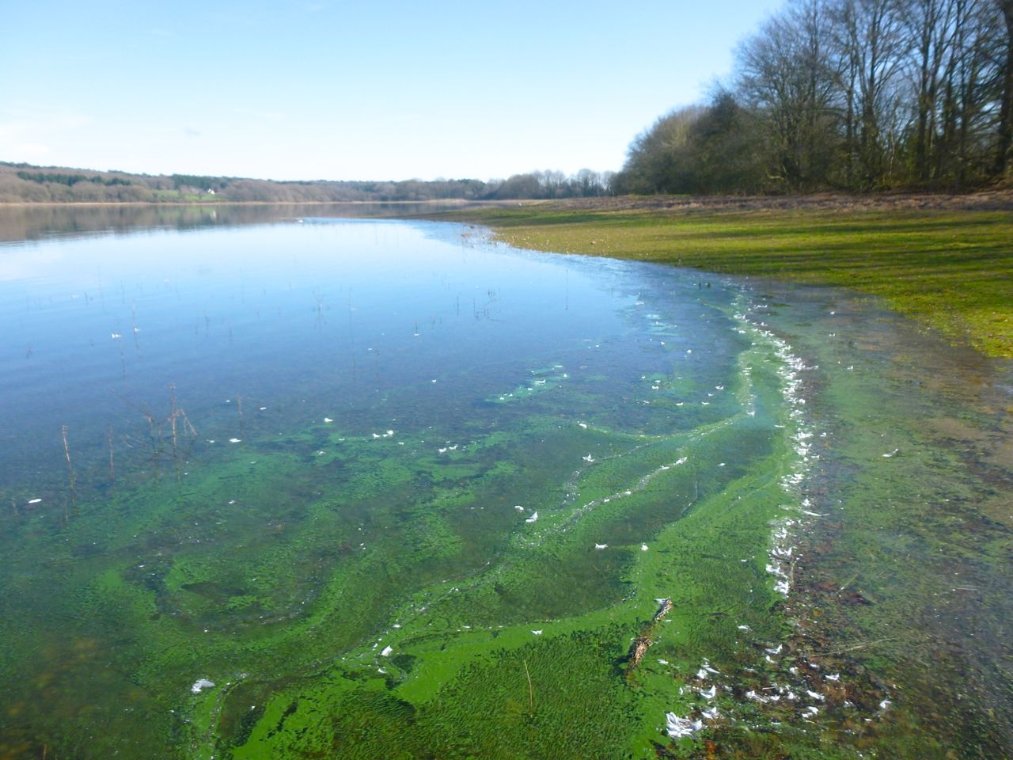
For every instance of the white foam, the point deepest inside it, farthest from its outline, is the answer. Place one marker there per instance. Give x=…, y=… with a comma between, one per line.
x=200, y=684
x=677, y=727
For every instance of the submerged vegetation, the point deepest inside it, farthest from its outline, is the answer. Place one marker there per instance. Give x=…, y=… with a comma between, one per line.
x=714, y=520
x=366, y=563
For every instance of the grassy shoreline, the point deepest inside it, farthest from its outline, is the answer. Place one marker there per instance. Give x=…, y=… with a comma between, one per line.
x=950, y=267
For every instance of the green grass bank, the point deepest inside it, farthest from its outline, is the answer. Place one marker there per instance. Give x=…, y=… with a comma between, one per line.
x=949, y=268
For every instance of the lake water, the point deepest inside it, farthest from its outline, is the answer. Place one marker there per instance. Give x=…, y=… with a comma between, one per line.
x=281, y=486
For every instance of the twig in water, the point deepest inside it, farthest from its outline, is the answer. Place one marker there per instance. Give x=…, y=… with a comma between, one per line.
x=70, y=467
x=173, y=414
x=187, y=426
x=850, y=648
x=154, y=433
x=646, y=638
x=112, y=460
x=860, y=645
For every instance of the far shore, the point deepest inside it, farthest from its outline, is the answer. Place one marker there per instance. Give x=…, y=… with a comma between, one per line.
x=982, y=200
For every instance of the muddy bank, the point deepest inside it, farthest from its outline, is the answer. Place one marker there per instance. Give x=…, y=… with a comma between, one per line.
x=902, y=585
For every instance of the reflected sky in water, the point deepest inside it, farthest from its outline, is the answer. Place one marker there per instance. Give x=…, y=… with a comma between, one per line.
x=337, y=316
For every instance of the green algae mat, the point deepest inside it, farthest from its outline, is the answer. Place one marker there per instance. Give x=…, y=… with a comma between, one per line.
x=334, y=488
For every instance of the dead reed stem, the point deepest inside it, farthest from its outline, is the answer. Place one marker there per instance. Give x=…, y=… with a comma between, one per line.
x=71, y=480
x=172, y=417
x=187, y=426
x=112, y=459
x=531, y=688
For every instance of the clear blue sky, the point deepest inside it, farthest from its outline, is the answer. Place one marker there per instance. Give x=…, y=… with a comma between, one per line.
x=332, y=89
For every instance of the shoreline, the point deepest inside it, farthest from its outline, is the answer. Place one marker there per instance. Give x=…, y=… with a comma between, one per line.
x=986, y=200
x=950, y=268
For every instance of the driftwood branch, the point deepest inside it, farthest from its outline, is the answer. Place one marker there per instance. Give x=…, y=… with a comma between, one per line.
x=643, y=642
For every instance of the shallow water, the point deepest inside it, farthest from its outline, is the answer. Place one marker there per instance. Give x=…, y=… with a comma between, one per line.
x=908, y=568
x=368, y=488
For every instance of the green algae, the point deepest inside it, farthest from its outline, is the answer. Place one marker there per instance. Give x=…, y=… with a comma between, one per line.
x=281, y=570
x=541, y=582
x=359, y=590
x=292, y=571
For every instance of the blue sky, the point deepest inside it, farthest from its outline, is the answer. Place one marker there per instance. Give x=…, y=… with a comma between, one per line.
x=331, y=89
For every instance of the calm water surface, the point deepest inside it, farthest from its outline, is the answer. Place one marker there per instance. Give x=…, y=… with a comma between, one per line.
x=358, y=488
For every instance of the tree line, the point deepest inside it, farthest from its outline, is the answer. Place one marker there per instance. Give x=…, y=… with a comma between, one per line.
x=69, y=179
x=854, y=95
x=25, y=183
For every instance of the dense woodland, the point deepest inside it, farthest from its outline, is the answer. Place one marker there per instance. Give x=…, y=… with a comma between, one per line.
x=848, y=95
x=853, y=95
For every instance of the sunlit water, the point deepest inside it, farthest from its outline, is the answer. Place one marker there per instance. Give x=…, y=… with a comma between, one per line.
x=337, y=487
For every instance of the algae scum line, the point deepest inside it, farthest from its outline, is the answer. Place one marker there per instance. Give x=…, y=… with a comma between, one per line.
x=381, y=489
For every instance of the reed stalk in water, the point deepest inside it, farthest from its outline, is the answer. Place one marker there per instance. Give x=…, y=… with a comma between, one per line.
x=531, y=688
x=71, y=480
x=112, y=459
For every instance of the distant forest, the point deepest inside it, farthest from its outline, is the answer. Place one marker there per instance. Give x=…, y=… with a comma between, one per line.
x=844, y=95
x=22, y=183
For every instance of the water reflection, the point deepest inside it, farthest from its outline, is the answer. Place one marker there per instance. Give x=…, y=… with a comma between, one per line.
x=33, y=222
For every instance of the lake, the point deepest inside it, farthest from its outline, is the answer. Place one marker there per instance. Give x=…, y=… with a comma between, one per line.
x=280, y=484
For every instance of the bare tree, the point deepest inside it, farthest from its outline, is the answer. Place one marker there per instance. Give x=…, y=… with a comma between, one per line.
x=871, y=45
x=1005, y=126
x=861, y=93
x=786, y=72
x=927, y=22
